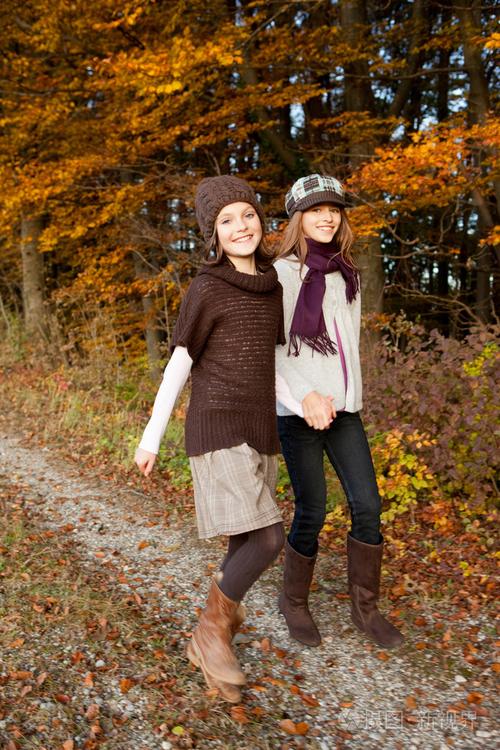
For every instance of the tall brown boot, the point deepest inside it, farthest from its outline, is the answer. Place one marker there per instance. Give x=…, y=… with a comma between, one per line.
x=292, y=601
x=210, y=645
x=364, y=562
x=230, y=693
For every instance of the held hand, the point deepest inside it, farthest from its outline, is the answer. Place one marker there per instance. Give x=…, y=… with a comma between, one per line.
x=319, y=411
x=145, y=461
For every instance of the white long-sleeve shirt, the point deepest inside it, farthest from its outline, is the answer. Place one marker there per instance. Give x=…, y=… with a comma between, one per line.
x=336, y=375
x=174, y=379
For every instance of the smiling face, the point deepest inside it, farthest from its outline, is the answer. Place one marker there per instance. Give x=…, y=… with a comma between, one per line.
x=239, y=230
x=321, y=222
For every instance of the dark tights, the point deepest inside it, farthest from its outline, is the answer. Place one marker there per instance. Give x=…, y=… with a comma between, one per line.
x=247, y=557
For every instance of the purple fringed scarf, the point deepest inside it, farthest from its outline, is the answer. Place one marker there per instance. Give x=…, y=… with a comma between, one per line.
x=308, y=324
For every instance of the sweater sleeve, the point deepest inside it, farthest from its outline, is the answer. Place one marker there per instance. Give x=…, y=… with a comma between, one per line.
x=174, y=379
x=196, y=319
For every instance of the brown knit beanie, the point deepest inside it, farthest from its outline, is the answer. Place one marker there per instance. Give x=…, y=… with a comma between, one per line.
x=213, y=193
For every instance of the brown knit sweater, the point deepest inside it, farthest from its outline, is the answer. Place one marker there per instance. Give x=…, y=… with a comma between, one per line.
x=230, y=323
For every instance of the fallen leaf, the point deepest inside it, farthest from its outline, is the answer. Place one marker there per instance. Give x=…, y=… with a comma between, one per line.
x=288, y=726
x=309, y=700
x=125, y=684
x=62, y=698
x=143, y=544
x=265, y=644
x=239, y=714
x=302, y=727
x=475, y=698
x=21, y=675
x=92, y=712
x=410, y=703
x=383, y=656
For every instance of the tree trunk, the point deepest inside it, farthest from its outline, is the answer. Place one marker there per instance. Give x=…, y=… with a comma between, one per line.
x=151, y=332
x=358, y=97
x=478, y=101
x=35, y=318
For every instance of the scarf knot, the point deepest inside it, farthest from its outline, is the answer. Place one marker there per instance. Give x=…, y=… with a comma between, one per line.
x=308, y=323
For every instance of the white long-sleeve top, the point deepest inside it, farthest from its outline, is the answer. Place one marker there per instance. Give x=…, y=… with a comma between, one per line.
x=310, y=370
x=174, y=379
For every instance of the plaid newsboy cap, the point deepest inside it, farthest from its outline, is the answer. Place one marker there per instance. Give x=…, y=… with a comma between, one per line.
x=314, y=189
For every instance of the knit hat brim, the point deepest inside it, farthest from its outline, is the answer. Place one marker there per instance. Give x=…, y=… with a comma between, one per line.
x=214, y=193
x=323, y=196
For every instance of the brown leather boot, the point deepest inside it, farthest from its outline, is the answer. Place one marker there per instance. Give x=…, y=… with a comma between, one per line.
x=292, y=601
x=227, y=692
x=364, y=562
x=210, y=645
x=230, y=693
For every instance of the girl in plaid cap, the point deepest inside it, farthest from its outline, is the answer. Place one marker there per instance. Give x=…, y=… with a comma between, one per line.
x=320, y=364
x=228, y=326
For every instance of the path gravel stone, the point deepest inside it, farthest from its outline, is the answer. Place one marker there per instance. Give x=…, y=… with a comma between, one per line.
x=360, y=693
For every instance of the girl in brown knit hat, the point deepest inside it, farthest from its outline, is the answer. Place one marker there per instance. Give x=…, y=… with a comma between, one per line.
x=228, y=326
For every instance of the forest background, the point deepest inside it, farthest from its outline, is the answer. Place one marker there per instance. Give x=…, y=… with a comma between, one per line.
x=110, y=114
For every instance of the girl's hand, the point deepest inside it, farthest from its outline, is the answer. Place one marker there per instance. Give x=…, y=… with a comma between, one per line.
x=145, y=461
x=318, y=410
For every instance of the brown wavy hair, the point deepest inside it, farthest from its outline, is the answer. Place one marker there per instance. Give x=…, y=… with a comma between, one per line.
x=294, y=241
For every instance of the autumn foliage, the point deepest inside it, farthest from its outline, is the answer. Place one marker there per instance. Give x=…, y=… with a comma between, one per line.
x=111, y=113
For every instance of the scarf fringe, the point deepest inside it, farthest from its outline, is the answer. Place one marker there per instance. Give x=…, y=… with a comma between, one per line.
x=321, y=343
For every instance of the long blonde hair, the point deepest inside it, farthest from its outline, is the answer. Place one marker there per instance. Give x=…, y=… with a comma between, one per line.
x=294, y=241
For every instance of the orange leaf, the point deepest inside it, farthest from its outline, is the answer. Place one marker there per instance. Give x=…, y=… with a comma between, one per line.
x=21, y=675
x=288, y=726
x=238, y=713
x=62, y=698
x=143, y=544
x=475, y=698
x=126, y=684
x=265, y=644
x=496, y=666
x=302, y=727
x=383, y=656
x=309, y=700
x=410, y=703
x=347, y=704
x=92, y=712
x=420, y=645
x=17, y=643
x=89, y=680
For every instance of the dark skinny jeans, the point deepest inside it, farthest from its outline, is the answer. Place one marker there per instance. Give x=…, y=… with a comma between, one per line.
x=346, y=446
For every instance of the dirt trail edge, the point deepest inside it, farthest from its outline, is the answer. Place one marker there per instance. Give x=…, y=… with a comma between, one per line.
x=360, y=697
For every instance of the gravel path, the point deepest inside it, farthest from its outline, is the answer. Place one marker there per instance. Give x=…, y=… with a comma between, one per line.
x=410, y=699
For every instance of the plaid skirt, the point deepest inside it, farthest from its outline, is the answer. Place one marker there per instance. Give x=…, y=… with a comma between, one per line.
x=234, y=491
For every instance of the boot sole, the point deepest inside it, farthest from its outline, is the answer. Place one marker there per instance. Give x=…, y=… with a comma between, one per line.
x=311, y=644
x=377, y=643
x=195, y=657
x=212, y=682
